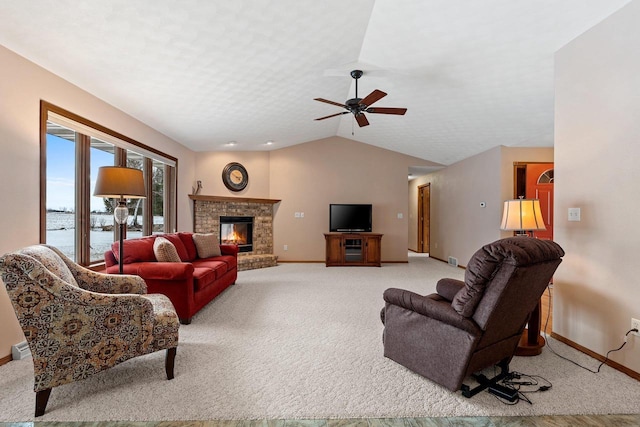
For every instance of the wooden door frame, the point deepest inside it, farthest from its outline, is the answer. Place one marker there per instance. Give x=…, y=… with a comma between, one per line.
x=421, y=216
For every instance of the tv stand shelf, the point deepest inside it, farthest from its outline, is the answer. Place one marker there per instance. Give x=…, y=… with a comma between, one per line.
x=353, y=249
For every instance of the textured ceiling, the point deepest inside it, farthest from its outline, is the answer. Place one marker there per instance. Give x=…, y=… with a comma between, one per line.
x=473, y=74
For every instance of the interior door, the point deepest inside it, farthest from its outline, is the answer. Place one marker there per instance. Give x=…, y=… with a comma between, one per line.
x=424, y=219
x=540, y=186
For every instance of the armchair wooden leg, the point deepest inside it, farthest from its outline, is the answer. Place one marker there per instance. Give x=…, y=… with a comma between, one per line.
x=42, y=397
x=169, y=362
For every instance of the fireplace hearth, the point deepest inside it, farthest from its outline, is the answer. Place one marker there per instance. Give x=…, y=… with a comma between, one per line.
x=237, y=230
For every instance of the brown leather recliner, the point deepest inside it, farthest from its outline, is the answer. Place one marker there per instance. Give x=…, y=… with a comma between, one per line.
x=468, y=326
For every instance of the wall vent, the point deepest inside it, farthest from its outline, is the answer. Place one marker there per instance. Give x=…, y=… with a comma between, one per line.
x=453, y=261
x=20, y=351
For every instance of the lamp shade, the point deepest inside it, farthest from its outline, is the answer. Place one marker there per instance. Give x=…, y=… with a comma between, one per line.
x=522, y=214
x=117, y=182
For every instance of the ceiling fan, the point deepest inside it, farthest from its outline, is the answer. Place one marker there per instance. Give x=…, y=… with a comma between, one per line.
x=359, y=106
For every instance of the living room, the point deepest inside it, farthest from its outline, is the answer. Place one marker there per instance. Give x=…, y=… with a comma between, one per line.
x=594, y=153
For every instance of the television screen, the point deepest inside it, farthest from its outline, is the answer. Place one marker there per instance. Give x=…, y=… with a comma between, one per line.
x=350, y=218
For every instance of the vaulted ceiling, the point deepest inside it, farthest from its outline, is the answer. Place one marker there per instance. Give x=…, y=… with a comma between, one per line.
x=473, y=74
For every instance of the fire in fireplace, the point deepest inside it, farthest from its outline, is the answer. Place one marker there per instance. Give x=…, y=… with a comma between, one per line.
x=237, y=230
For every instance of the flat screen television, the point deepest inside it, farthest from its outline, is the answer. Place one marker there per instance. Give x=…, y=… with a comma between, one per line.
x=350, y=217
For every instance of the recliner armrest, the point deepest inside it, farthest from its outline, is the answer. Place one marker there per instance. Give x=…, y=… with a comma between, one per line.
x=429, y=307
x=448, y=288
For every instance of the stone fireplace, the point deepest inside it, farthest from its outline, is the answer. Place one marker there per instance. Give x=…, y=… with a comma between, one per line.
x=224, y=216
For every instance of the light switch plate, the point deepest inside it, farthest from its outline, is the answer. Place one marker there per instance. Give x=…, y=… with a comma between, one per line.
x=574, y=214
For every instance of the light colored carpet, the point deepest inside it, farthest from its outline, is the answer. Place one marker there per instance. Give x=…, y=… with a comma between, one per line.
x=304, y=341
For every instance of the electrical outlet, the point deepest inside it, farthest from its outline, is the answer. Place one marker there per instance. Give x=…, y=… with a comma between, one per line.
x=286, y=247
x=635, y=324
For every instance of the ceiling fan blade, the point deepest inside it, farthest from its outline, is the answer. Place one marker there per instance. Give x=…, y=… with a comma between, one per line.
x=383, y=110
x=333, y=115
x=372, y=97
x=330, y=102
x=362, y=120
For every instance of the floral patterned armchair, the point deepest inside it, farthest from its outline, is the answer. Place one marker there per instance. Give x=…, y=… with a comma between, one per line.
x=78, y=322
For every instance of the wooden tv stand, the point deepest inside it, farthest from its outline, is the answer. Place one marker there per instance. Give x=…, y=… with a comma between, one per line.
x=353, y=249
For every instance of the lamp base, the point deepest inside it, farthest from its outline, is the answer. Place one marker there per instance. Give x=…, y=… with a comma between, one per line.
x=526, y=348
x=121, y=250
x=120, y=214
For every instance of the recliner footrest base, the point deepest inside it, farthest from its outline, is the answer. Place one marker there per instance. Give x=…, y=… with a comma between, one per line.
x=490, y=383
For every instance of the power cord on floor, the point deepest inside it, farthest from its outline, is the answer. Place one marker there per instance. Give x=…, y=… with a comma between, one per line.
x=546, y=323
x=521, y=385
x=524, y=384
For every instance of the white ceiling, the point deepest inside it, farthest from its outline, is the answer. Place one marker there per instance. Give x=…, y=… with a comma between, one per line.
x=473, y=74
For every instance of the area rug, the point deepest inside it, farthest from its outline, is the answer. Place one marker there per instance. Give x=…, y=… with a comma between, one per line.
x=304, y=341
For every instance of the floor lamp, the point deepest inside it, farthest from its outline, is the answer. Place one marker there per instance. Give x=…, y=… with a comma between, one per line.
x=120, y=183
x=522, y=215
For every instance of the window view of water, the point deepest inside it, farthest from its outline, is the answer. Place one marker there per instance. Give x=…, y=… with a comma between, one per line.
x=61, y=232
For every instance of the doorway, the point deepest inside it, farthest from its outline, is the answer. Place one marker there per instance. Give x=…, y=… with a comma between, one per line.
x=424, y=217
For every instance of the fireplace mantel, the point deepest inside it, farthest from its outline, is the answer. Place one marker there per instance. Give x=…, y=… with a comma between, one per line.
x=232, y=199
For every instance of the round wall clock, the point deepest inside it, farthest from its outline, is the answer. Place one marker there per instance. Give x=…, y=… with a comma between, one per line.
x=235, y=177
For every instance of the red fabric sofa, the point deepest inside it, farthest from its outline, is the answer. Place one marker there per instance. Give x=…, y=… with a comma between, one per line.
x=190, y=284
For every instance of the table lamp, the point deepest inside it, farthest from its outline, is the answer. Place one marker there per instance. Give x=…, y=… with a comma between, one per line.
x=120, y=183
x=522, y=215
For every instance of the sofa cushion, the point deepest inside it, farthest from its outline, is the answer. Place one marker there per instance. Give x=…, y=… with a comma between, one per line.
x=189, y=245
x=165, y=251
x=207, y=245
x=135, y=250
x=177, y=242
x=218, y=266
x=203, y=277
x=231, y=261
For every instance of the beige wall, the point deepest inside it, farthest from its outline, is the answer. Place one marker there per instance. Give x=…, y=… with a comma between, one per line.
x=22, y=86
x=459, y=225
x=597, y=149
x=308, y=177
x=209, y=168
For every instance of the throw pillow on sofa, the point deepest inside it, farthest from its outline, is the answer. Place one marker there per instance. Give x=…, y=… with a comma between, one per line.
x=207, y=245
x=165, y=251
